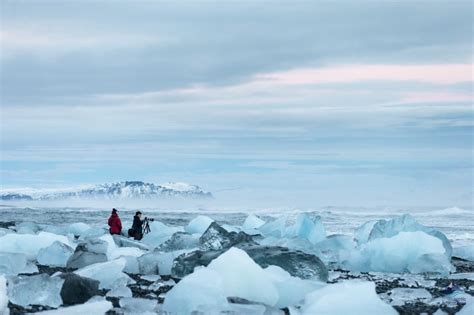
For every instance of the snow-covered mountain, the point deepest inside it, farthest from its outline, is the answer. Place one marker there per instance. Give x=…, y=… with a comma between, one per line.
x=121, y=190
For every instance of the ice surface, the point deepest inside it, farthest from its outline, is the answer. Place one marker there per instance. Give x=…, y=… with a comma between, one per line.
x=200, y=291
x=397, y=253
x=159, y=233
x=307, y=228
x=141, y=306
x=27, y=228
x=251, y=224
x=3, y=296
x=467, y=309
x=198, y=225
x=464, y=252
x=399, y=296
x=336, y=248
x=362, y=233
x=157, y=262
x=291, y=290
x=151, y=278
x=38, y=289
x=56, y=255
x=432, y=263
x=120, y=292
x=275, y=228
x=78, y=229
x=93, y=251
x=350, y=297
x=109, y=274
x=406, y=223
x=243, y=278
x=180, y=240
x=12, y=264
x=30, y=244
x=90, y=308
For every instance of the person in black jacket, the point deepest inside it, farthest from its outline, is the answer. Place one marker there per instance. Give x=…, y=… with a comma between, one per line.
x=136, y=231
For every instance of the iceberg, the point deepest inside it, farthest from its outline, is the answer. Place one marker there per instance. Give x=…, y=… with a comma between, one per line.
x=396, y=253
x=180, y=240
x=88, y=253
x=159, y=233
x=90, y=308
x=35, y=290
x=216, y=237
x=255, y=286
x=306, y=228
x=406, y=223
x=141, y=306
x=467, y=309
x=349, y=297
x=251, y=224
x=56, y=255
x=27, y=228
x=120, y=292
x=464, y=252
x=109, y=274
x=78, y=229
x=12, y=264
x=30, y=244
x=275, y=228
x=432, y=263
x=198, y=225
x=201, y=291
x=3, y=296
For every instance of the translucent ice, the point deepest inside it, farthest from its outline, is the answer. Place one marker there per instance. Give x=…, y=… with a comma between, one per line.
x=397, y=253
x=431, y=263
x=78, y=229
x=464, y=252
x=200, y=291
x=39, y=290
x=467, y=309
x=251, y=224
x=89, y=308
x=29, y=244
x=406, y=223
x=56, y=255
x=109, y=274
x=350, y=297
x=275, y=228
x=131, y=305
x=12, y=264
x=307, y=228
x=198, y=225
x=256, y=285
x=159, y=233
x=120, y=292
x=3, y=295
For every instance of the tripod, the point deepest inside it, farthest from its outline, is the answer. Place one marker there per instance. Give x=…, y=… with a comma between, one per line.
x=146, y=227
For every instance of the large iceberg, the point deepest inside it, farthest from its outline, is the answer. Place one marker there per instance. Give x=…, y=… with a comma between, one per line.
x=251, y=224
x=56, y=255
x=398, y=253
x=159, y=233
x=350, y=297
x=404, y=223
x=307, y=228
x=35, y=290
x=30, y=244
x=109, y=274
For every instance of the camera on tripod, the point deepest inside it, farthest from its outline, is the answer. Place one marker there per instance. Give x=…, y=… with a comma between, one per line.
x=149, y=219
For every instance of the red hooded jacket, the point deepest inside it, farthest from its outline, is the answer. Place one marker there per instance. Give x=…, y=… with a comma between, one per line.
x=115, y=224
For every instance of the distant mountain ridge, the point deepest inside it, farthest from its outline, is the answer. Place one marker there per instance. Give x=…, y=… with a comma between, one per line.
x=120, y=190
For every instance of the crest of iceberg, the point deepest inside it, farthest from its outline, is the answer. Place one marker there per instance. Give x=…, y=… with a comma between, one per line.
x=56, y=254
x=39, y=289
x=350, y=297
x=307, y=228
x=397, y=253
x=30, y=244
x=198, y=225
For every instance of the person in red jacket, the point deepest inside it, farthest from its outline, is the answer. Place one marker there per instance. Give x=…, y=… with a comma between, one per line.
x=115, y=223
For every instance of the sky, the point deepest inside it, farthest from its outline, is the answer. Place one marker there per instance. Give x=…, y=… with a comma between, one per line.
x=291, y=103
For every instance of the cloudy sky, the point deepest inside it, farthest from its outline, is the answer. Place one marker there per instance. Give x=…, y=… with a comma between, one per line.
x=299, y=103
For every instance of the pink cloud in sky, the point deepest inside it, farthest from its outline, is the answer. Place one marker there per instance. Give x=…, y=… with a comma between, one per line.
x=421, y=97
x=438, y=73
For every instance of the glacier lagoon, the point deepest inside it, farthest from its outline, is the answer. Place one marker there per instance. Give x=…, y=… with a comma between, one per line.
x=377, y=261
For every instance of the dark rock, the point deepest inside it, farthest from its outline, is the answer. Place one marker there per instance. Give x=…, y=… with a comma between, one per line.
x=216, y=238
x=462, y=265
x=94, y=251
x=7, y=224
x=52, y=270
x=77, y=289
x=297, y=263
